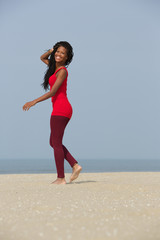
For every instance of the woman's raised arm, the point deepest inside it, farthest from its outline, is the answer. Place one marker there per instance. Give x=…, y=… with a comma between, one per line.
x=44, y=57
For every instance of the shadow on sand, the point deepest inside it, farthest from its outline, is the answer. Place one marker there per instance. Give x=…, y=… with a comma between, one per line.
x=80, y=182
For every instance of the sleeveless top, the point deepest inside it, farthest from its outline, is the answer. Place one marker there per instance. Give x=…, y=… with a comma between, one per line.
x=60, y=102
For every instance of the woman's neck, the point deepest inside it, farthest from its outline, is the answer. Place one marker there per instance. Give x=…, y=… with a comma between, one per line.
x=58, y=66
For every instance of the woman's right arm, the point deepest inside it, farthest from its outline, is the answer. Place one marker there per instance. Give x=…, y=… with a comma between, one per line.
x=45, y=56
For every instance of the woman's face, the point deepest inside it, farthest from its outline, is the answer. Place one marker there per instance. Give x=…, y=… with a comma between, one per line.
x=61, y=55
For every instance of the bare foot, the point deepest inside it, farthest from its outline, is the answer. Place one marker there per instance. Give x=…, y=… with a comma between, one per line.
x=76, y=170
x=59, y=181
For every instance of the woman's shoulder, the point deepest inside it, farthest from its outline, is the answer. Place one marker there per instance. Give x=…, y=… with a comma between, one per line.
x=62, y=68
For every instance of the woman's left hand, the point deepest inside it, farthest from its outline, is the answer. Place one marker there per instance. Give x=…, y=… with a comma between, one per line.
x=28, y=105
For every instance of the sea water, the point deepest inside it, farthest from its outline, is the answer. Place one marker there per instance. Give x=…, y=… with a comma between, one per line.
x=17, y=166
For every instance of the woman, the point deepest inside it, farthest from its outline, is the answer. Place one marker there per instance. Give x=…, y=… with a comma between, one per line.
x=56, y=77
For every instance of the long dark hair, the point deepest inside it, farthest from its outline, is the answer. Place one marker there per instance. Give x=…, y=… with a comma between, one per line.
x=52, y=63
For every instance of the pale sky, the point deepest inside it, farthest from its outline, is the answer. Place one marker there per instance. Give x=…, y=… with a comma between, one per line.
x=113, y=83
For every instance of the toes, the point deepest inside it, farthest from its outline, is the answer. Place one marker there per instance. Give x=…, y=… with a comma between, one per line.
x=75, y=174
x=58, y=182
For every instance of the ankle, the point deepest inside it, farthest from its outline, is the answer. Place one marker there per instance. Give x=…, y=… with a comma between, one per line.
x=75, y=165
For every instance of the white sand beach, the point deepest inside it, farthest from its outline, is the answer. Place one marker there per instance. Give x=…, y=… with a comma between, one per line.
x=96, y=206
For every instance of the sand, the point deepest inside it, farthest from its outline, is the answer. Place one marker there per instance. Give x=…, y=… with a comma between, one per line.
x=96, y=206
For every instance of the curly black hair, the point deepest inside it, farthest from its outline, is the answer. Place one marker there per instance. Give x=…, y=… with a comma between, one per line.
x=52, y=63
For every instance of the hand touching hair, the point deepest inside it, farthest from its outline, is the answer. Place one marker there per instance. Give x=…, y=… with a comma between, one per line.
x=52, y=64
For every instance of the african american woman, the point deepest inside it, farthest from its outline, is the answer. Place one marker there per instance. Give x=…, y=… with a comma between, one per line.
x=55, y=80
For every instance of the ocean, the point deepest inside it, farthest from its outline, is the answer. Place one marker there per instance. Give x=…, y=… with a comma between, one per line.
x=22, y=166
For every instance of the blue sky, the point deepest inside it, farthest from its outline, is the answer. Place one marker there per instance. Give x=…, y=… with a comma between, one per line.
x=113, y=82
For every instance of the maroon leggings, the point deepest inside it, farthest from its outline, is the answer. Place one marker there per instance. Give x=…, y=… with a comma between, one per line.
x=57, y=125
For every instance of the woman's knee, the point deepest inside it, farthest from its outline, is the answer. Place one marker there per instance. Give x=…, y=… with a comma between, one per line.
x=56, y=144
x=50, y=142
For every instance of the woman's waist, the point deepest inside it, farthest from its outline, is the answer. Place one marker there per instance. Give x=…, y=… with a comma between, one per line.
x=60, y=99
x=56, y=98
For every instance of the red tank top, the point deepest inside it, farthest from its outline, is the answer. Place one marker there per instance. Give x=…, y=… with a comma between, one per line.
x=60, y=102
